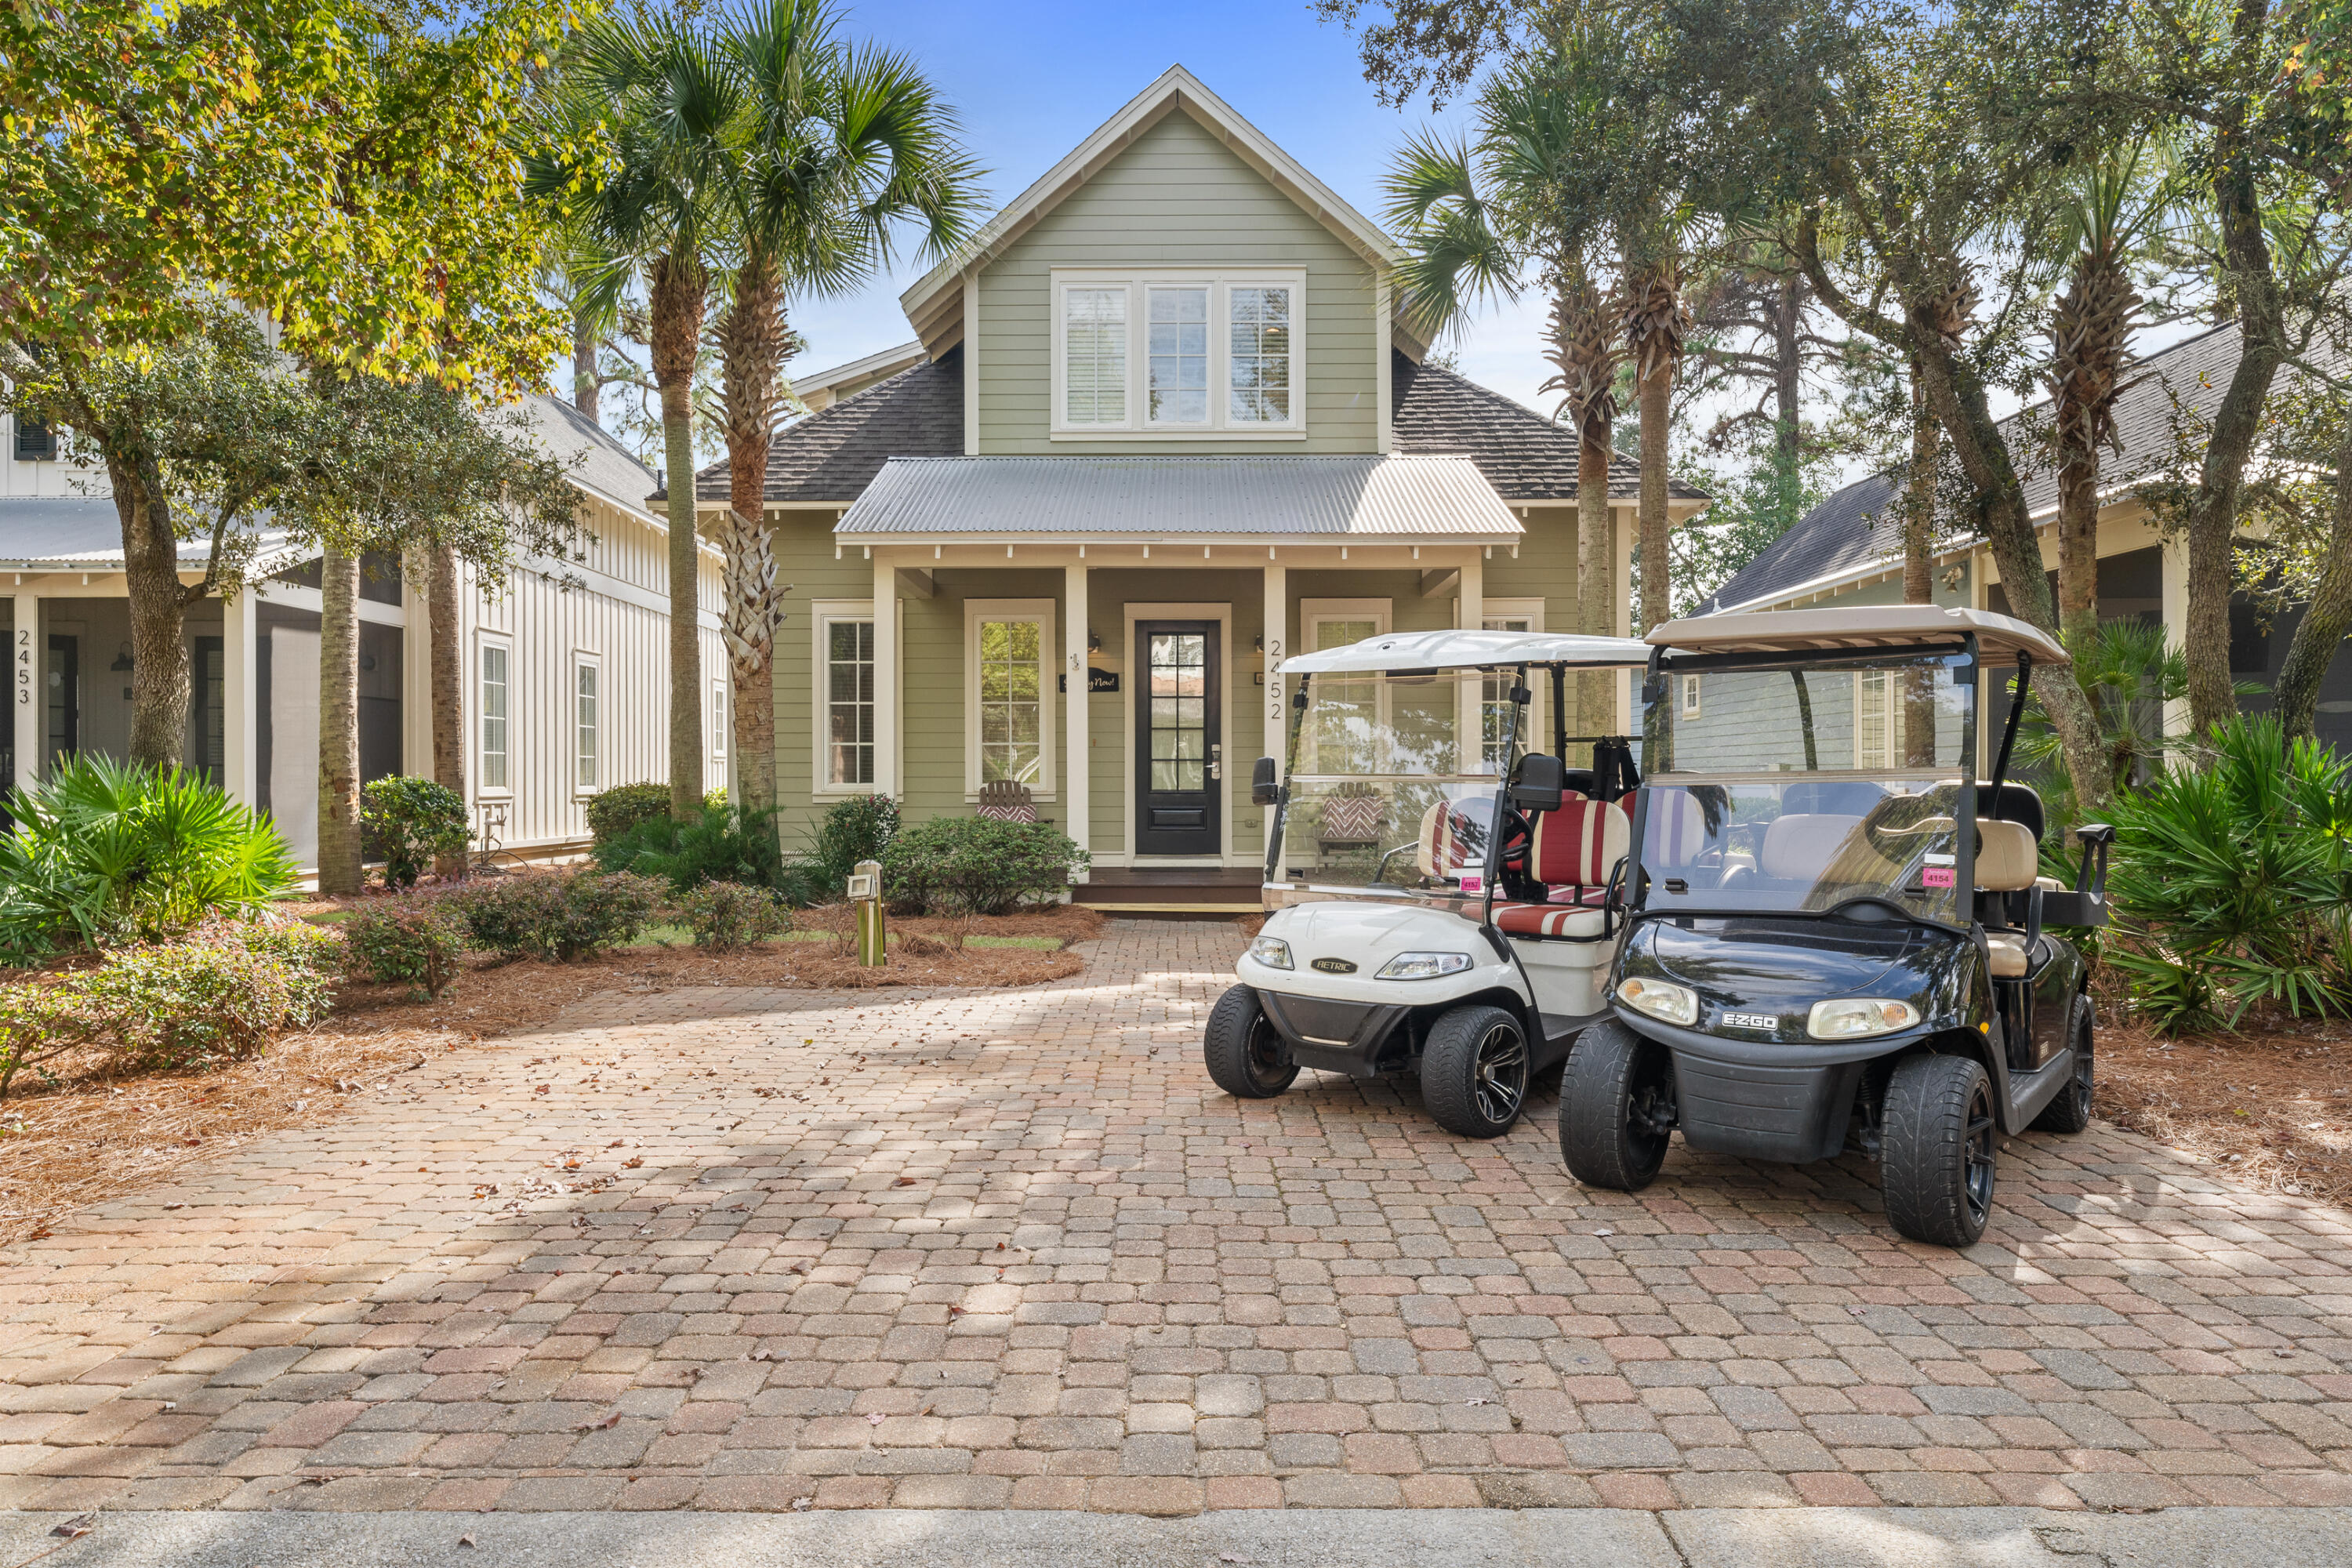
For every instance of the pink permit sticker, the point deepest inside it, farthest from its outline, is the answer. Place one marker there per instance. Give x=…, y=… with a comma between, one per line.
x=1936, y=877
x=1474, y=884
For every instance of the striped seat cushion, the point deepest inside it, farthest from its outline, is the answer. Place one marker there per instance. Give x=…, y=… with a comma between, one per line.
x=1451, y=843
x=1548, y=920
x=1579, y=843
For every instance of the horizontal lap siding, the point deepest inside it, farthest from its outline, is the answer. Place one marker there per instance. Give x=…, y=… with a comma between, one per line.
x=1178, y=198
x=804, y=554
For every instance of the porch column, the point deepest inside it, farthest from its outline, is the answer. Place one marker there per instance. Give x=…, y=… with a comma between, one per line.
x=2176, y=624
x=240, y=701
x=1077, y=769
x=1278, y=648
x=26, y=696
x=886, y=678
x=1469, y=614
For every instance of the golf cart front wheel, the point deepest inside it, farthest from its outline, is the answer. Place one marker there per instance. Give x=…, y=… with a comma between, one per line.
x=1244, y=1053
x=1935, y=1156
x=1616, y=1107
x=1473, y=1071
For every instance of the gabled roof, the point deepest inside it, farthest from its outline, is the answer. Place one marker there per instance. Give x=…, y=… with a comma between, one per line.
x=827, y=387
x=597, y=462
x=934, y=303
x=1241, y=498
x=832, y=456
x=1855, y=530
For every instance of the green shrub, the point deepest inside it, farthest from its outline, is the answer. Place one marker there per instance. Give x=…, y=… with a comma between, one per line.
x=564, y=917
x=972, y=864
x=2231, y=886
x=107, y=853
x=613, y=812
x=858, y=828
x=415, y=941
x=219, y=994
x=37, y=1022
x=412, y=821
x=724, y=916
x=718, y=846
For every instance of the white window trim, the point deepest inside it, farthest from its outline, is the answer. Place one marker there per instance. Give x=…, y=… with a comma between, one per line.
x=483, y=789
x=1690, y=696
x=1891, y=714
x=822, y=614
x=1532, y=611
x=1220, y=282
x=721, y=719
x=581, y=659
x=1314, y=612
x=1049, y=662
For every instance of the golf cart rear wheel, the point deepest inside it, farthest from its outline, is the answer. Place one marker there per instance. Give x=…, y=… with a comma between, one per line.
x=1474, y=1072
x=1244, y=1052
x=1616, y=1107
x=2071, y=1111
x=1935, y=1156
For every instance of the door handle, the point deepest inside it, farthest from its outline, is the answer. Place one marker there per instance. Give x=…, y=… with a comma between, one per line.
x=1216, y=761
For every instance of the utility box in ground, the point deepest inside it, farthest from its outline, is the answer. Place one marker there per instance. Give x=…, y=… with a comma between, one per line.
x=866, y=899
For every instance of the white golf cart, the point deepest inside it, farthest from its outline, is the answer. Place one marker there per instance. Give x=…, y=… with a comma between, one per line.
x=1441, y=897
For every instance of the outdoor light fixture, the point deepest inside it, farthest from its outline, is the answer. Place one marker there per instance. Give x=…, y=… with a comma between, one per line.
x=122, y=660
x=1094, y=640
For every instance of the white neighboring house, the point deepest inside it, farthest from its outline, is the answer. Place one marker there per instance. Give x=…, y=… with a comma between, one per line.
x=566, y=686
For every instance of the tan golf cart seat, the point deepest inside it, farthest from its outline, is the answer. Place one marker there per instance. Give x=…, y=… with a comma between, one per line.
x=2007, y=861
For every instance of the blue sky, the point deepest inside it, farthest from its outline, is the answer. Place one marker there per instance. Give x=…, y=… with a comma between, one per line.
x=1032, y=78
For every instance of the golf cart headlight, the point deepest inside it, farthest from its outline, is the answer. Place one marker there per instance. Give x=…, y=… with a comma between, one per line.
x=1661, y=999
x=1859, y=1017
x=1422, y=965
x=1271, y=952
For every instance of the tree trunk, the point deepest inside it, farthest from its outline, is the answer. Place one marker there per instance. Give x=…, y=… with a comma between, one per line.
x=2213, y=510
x=585, y=391
x=2326, y=620
x=1788, y=393
x=159, y=652
x=677, y=289
x=751, y=340
x=1656, y=392
x=1918, y=570
x=339, y=729
x=1596, y=575
x=449, y=695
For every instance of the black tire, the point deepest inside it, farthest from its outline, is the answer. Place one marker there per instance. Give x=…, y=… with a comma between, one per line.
x=2071, y=1111
x=1616, y=1107
x=1244, y=1052
x=1937, y=1150
x=1474, y=1072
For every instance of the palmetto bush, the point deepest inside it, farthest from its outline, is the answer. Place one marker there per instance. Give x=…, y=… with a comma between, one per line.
x=2233, y=885
x=107, y=853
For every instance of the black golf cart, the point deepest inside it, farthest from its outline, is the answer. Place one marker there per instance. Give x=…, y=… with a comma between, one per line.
x=1815, y=951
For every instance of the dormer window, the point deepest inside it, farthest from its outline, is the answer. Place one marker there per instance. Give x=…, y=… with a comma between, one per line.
x=1176, y=354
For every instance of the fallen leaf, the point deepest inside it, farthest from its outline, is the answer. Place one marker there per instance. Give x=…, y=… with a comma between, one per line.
x=1481, y=1399
x=612, y=1420
x=876, y=1417
x=613, y=1144
x=903, y=1181
x=78, y=1525
x=464, y=1540
x=1229, y=1557
x=1604, y=1231
x=631, y=1165
x=801, y=1504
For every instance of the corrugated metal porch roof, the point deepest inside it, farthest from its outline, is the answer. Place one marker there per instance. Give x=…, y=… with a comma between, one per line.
x=1077, y=497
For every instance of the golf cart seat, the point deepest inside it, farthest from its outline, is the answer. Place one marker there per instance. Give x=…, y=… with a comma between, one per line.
x=1452, y=841
x=1799, y=846
x=1574, y=850
x=2007, y=862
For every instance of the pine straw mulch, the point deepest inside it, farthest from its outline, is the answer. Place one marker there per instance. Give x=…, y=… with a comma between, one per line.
x=97, y=1133
x=2270, y=1106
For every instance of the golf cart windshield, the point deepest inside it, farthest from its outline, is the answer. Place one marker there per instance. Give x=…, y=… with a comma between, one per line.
x=1804, y=784
x=1392, y=782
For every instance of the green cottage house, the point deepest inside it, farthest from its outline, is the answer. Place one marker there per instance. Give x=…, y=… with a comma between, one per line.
x=1164, y=422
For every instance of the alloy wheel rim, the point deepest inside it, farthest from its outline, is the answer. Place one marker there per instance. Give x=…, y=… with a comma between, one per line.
x=1975, y=1157
x=1500, y=1072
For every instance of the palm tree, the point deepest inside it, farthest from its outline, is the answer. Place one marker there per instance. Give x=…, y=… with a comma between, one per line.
x=832, y=149
x=2106, y=213
x=1655, y=323
x=632, y=148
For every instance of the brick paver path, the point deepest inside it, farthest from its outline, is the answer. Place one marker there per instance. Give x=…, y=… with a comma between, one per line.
x=1013, y=1249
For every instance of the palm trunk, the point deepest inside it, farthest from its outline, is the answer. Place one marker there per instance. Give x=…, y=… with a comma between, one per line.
x=752, y=352
x=2326, y=620
x=338, y=729
x=1582, y=343
x=1918, y=572
x=448, y=694
x=2091, y=332
x=1656, y=394
x=676, y=289
x=159, y=653
x=585, y=391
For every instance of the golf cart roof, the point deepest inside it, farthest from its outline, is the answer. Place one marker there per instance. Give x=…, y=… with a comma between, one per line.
x=1398, y=652
x=2000, y=639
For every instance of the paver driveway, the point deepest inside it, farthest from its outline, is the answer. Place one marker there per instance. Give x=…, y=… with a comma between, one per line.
x=1013, y=1249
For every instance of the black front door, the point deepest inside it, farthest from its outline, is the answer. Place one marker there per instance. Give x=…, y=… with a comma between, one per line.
x=1179, y=737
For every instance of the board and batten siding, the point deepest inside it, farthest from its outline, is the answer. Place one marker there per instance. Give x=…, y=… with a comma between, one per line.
x=1177, y=197
x=619, y=611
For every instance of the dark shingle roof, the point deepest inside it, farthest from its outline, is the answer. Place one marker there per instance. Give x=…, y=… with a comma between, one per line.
x=919, y=413
x=1526, y=457
x=1852, y=530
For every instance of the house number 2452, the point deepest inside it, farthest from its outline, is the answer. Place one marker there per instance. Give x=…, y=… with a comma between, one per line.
x=23, y=669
